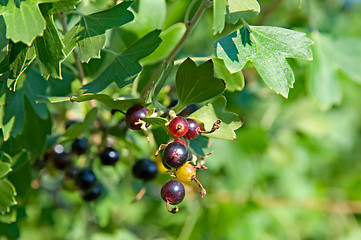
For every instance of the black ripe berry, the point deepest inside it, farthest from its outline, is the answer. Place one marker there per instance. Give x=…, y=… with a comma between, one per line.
x=178, y=126
x=93, y=193
x=85, y=179
x=133, y=115
x=145, y=169
x=61, y=159
x=173, y=192
x=79, y=146
x=109, y=156
x=175, y=154
x=193, y=129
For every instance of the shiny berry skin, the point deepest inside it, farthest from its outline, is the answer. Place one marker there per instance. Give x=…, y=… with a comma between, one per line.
x=61, y=159
x=175, y=154
x=186, y=173
x=193, y=129
x=133, y=115
x=79, y=146
x=85, y=179
x=180, y=140
x=178, y=126
x=173, y=192
x=145, y=169
x=109, y=156
x=93, y=193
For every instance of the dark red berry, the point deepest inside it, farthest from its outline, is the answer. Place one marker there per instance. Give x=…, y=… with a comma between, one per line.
x=79, y=146
x=93, y=193
x=133, y=115
x=61, y=159
x=178, y=126
x=145, y=169
x=109, y=156
x=175, y=154
x=85, y=179
x=173, y=192
x=193, y=129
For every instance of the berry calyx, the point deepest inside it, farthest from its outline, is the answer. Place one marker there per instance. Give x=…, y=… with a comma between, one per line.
x=109, y=156
x=79, y=146
x=175, y=155
x=193, y=129
x=85, y=179
x=61, y=159
x=133, y=115
x=178, y=126
x=173, y=193
x=145, y=169
x=93, y=193
x=185, y=173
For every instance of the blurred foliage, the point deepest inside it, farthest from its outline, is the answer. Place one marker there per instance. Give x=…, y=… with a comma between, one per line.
x=293, y=172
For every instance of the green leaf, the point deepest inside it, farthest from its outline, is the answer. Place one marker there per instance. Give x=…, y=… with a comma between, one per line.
x=170, y=38
x=34, y=86
x=125, y=67
x=121, y=104
x=199, y=144
x=156, y=121
x=214, y=111
x=219, y=11
x=196, y=83
x=49, y=47
x=243, y=6
x=234, y=82
x=145, y=19
x=7, y=196
x=267, y=47
x=9, y=217
x=77, y=129
x=3, y=40
x=18, y=55
x=5, y=168
x=13, y=114
x=60, y=6
x=89, y=33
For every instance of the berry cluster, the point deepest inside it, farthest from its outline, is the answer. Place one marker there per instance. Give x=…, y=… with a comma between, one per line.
x=176, y=158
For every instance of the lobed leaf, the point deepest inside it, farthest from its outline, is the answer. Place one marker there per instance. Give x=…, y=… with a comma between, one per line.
x=234, y=81
x=214, y=111
x=196, y=84
x=7, y=196
x=5, y=168
x=125, y=66
x=89, y=33
x=267, y=47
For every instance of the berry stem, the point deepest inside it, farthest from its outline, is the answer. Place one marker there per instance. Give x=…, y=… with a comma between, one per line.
x=140, y=194
x=189, y=27
x=173, y=210
x=203, y=191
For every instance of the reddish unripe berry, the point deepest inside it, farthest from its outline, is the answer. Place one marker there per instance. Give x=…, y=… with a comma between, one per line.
x=180, y=141
x=178, y=126
x=173, y=192
x=133, y=115
x=186, y=173
x=193, y=129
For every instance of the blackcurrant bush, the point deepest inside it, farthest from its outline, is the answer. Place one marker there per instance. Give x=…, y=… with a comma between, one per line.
x=175, y=154
x=173, y=192
x=85, y=179
x=133, y=115
x=178, y=126
x=109, y=156
x=79, y=146
x=186, y=173
x=193, y=129
x=145, y=169
x=61, y=159
x=93, y=193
